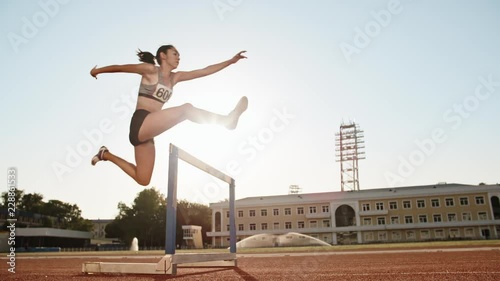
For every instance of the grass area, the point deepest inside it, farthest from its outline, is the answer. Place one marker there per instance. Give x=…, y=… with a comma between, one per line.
x=359, y=247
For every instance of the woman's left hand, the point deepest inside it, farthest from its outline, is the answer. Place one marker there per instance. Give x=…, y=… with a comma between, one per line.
x=238, y=56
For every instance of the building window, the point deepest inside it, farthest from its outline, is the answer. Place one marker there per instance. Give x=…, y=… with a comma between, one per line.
x=252, y=226
x=479, y=200
x=381, y=220
x=300, y=210
x=466, y=217
x=251, y=213
x=393, y=205
x=395, y=220
x=367, y=221
x=420, y=203
x=469, y=232
x=326, y=209
x=439, y=233
x=276, y=225
x=326, y=223
x=300, y=224
x=422, y=218
x=368, y=236
x=408, y=219
x=312, y=210
x=379, y=206
x=437, y=218
x=464, y=201
x=240, y=214
x=263, y=226
x=482, y=216
x=410, y=235
x=288, y=211
x=396, y=235
x=435, y=203
x=276, y=212
x=449, y=202
x=454, y=233
x=424, y=234
x=452, y=217
x=313, y=224
x=263, y=213
x=288, y=225
x=366, y=207
x=407, y=204
x=227, y=229
x=382, y=236
x=227, y=214
x=241, y=227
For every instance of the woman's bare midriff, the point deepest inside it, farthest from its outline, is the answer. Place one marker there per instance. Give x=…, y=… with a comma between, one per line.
x=148, y=104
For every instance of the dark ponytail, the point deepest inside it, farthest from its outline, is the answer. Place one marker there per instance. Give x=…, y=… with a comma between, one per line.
x=146, y=57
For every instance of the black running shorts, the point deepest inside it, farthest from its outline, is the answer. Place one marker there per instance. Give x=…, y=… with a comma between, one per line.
x=135, y=125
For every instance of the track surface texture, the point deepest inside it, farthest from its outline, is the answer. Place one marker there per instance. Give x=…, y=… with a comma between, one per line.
x=432, y=264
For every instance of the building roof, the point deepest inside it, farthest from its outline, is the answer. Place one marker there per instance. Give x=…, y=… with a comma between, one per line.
x=52, y=232
x=368, y=194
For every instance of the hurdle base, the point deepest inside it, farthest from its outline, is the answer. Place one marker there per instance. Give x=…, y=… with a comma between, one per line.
x=167, y=265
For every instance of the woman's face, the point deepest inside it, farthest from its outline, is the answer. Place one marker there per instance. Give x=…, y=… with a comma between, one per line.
x=173, y=57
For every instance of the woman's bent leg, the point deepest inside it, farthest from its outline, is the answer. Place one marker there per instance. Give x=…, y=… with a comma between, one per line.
x=145, y=158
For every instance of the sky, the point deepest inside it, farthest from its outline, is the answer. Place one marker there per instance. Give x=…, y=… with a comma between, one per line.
x=421, y=78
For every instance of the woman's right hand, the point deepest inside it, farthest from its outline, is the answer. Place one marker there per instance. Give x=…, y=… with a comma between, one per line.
x=93, y=72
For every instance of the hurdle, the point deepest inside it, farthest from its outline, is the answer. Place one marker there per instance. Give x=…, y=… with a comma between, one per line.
x=171, y=261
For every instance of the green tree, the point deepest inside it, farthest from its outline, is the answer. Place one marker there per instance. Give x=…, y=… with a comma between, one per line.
x=57, y=209
x=148, y=208
x=32, y=202
x=145, y=219
x=193, y=214
x=18, y=194
x=47, y=222
x=123, y=225
x=68, y=216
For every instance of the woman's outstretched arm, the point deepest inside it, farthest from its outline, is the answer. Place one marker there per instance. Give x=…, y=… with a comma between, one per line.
x=189, y=75
x=141, y=68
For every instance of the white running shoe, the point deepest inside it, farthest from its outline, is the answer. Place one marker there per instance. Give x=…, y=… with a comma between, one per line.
x=99, y=156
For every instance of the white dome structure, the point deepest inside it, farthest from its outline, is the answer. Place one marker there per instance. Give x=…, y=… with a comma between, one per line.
x=291, y=239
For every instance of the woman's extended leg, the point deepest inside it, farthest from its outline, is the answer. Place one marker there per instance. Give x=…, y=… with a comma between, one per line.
x=158, y=122
x=145, y=161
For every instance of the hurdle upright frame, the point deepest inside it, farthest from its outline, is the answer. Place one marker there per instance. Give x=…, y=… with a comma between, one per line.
x=175, y=154
x=170, y=261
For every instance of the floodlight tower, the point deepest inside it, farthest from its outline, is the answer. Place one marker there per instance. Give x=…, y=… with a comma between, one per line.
x=349, y=147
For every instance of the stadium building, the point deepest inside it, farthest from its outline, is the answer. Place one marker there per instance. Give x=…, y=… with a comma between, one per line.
x=403, y=214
